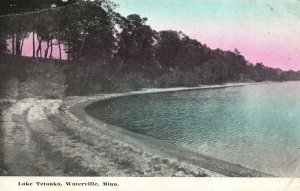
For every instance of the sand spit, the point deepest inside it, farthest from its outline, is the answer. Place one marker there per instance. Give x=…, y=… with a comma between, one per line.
x=42, y=137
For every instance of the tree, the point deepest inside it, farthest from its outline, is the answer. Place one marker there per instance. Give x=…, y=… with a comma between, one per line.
x=136, y=43
x=19, y=27
x=168, y=48
x=3, y=44
x=191, y=54
x=87, y=31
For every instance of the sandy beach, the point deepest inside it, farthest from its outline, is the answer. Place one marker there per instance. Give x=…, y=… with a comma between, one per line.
x=43, y=137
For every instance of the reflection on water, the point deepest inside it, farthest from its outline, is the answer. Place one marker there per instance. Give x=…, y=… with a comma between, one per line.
x=257, y=126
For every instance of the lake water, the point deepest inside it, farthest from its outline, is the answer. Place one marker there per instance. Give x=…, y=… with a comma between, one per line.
x=256, y=126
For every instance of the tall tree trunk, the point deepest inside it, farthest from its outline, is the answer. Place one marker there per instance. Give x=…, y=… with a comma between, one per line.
x=69, y=49
x=13, y=45
x=39, y=49
x=39, y=45
x=41, y=54
x=59, y=47
x=46, y=51
x=51, y=48
x=18, y=45
x=33, y=44
x=22, y=44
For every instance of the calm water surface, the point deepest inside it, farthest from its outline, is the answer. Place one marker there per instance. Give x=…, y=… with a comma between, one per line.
x=257, y=126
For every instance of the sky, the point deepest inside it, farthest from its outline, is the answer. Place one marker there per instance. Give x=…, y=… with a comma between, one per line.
x=266, y=31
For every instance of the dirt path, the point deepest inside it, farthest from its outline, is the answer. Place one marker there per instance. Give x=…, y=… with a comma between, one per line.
x=3, y=105
x=22, y=156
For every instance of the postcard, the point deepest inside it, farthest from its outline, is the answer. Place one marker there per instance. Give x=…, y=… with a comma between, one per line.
x=149, y=95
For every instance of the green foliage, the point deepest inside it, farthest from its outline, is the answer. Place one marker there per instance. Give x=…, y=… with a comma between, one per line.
x=43, y=80
x=136, y=43
x=168, y=47
x=115, y=53
x=33, y=78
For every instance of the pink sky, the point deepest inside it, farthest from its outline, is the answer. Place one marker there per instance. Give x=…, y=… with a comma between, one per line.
x=274, y=54
x=27, y=48
x=266, y=31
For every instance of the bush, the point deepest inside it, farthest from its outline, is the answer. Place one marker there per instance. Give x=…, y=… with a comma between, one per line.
x=44, y=81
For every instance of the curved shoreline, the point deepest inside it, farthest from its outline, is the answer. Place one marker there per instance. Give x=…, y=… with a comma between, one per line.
x=46, y=137
x=214, y=167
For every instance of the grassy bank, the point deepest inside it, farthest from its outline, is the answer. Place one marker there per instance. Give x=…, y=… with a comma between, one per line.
x=23, y=77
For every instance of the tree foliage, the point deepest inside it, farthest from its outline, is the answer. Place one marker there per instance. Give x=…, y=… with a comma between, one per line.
x=92, y=32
